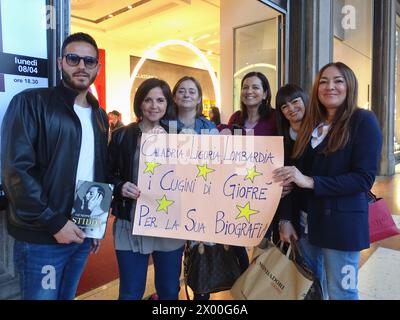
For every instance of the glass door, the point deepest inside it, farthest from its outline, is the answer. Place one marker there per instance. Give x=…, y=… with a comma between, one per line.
x=259, y=47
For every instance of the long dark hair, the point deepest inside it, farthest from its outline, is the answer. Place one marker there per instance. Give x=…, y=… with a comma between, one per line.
x=216, y=118
x=264, y=109
x=199, y=107
x=339, y=133
x=284, y=95
x=145, y=88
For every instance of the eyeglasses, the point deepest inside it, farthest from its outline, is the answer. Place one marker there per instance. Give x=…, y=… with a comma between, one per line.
x=73, y=60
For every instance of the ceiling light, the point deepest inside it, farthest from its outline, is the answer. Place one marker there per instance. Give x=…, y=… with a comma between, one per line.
x=253, y=66
x=204, y=36
x=110, y=15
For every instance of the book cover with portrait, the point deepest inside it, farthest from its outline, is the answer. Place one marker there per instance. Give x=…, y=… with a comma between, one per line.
x=91, y=207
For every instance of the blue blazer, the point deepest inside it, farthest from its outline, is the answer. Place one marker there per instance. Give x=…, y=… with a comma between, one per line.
x=337, y=207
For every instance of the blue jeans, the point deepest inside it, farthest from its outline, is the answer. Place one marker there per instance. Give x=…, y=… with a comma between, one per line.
x=337, y=270
x=133, y=273
x=243, y=258
x=50, y=271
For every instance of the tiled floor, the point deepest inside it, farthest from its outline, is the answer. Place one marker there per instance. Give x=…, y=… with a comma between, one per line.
x=385, y=187
x=379, y=276
x=110, y=291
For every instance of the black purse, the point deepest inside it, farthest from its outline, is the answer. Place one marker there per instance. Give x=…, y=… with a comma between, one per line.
x=315, y=292
x=209, y=269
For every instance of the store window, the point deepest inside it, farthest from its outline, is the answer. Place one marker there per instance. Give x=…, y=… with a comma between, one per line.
x=353, y=42
x=256, y=49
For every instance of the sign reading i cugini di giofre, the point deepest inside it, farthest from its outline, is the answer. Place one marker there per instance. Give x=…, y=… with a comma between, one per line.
x=214, y=188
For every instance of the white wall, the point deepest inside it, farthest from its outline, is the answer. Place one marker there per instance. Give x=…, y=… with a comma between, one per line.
x=360, y=64
x=355, y=50
x=235, y=13
x=360, y=38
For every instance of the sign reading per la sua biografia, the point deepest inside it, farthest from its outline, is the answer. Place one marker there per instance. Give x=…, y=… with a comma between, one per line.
x=214, y=188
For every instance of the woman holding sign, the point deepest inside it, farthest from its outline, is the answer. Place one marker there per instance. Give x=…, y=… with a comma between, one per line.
x=255, y=117
x=336, y=153
x=188, y=98
x=291, y=102
x=153, y=102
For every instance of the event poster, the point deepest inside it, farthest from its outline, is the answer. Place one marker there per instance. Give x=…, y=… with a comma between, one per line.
x=23, y=48
x=214, y=188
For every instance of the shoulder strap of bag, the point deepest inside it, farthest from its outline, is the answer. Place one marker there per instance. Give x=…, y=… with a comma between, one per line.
x=186, y=267
x=372, y=196
x=186, y=291
x=186, y=261
x=264, y=245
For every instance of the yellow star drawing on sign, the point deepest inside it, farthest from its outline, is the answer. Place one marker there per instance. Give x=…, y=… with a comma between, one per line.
x=163, y=204
x=203, y=171
x=151, y=166
x=252, y=173
x=246, y=211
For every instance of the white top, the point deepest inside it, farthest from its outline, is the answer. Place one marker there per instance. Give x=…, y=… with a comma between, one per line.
x=86, y=155
x=318, y=137
x=303, y=221
x=292, y=134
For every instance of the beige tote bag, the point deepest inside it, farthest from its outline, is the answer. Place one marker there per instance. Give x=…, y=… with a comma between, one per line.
x=271, y=276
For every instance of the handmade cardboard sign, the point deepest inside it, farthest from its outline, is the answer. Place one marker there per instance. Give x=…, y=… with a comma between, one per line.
x=214, y=188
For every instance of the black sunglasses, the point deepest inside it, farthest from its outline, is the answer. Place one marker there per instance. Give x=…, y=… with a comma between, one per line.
x=73, y=60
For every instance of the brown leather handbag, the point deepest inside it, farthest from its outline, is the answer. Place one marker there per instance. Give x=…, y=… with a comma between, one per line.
x=210, y=268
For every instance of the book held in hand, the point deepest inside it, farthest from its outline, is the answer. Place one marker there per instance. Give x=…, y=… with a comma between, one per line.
x=91, y=207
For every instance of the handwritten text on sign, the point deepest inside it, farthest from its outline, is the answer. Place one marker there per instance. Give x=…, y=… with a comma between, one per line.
x=215, y=188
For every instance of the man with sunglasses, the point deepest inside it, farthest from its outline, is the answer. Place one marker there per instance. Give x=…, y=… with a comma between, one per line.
x=53, y=137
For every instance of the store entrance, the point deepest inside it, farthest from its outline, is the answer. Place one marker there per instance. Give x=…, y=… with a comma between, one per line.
x=233, y=36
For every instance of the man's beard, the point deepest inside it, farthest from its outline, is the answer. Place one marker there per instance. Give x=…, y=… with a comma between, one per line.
x=77, y=86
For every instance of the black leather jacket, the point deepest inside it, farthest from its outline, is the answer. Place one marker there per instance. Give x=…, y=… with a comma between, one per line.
x=121, y=153
x=41, y=138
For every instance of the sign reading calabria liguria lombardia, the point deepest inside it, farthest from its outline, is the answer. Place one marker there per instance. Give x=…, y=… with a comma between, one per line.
x=214, y=188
